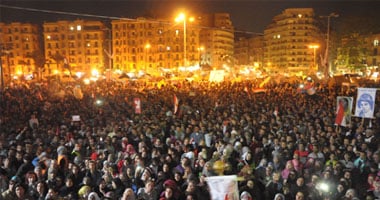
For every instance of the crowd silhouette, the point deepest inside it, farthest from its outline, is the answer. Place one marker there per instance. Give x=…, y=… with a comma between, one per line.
x=75, y=141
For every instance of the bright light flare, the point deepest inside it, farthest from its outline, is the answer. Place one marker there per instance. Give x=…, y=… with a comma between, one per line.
x=323, y=187
x=79, y=74
x=94, y=72
x=86, y=81
x=180, y=17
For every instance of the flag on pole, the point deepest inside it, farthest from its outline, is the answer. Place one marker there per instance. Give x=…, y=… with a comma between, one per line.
x=265, y=81
x=176, y=102
x=223, y=187
x=343, y=110
x=365, y=102
x=137, y=103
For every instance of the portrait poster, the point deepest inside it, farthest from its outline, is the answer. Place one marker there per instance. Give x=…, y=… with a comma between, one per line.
x=343, y=110
x=365, y=102
x=223, y=187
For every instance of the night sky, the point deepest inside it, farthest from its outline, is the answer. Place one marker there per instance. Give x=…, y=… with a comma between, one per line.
x=247, y=15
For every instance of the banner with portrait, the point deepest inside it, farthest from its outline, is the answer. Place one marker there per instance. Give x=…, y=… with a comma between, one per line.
x=343, y=110
x=223, y=187
x=365, y=102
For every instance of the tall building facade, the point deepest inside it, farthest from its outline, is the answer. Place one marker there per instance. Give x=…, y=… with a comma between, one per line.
x=217, y=38
x=373, y=59
x=18, y=42
x=287, y=42
x=249, y=50
x=151, y=45
x=72, y=46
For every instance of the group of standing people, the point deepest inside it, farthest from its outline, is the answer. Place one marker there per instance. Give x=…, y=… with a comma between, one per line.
x=280, y=143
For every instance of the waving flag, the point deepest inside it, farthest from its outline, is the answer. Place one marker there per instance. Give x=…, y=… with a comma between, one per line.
x=343, y=111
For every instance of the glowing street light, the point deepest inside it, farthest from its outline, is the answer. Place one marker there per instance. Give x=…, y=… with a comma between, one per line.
x=182, y=18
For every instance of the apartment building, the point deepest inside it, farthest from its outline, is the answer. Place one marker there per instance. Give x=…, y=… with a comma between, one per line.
x=18, y=42
x=72, y=46
x=154, y=44
x=373, y=43
x=287, y=42
x=217, y=38
x=249, y=50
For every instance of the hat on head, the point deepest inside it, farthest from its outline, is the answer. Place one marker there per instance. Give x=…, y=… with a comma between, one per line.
x=61, y=150
x=170, y=183
x=16, y=179
x=150, y=171
x=83, y=190
x=94, y=195
x=245, y=195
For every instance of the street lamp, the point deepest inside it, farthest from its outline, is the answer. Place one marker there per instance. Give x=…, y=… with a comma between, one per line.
x=182, y=18
x=314, y=47
x=326, y=59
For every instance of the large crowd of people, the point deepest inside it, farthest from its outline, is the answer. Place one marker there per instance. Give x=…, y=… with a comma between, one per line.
x=76, y=141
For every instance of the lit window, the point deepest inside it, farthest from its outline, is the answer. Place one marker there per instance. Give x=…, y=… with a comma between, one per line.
x=299, y=15
x=79, y=27
x=71, y=28
x=48, y=37
x=176, y=32
x=376, y=43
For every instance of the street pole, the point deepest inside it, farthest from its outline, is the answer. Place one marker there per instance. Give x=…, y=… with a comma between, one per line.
x=184, y=18
x=2, y=75
x=326, y=58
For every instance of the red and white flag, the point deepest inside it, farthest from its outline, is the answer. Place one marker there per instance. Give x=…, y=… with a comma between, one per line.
x=343, y=110
x=176, y=102
x=137, y=103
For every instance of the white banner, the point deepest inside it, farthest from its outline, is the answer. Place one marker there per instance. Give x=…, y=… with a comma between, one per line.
x=365, y=102
x=223, y=187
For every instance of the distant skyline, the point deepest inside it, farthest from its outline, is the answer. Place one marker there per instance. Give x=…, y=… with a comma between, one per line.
x=246, y=15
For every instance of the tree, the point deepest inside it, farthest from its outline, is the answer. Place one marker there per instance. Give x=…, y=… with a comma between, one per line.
x=351, y=32
x=58, y=58
x=353, y=52
x=39, y=61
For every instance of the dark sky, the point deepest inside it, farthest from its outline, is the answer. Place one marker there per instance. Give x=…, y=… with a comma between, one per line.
x=247, y=15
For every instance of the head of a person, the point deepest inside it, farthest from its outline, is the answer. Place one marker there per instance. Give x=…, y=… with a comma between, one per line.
x=245, y=196
x=300, y=196
x=365, y=101
x=19, y=190
x=350, y=193
x=279, y=196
